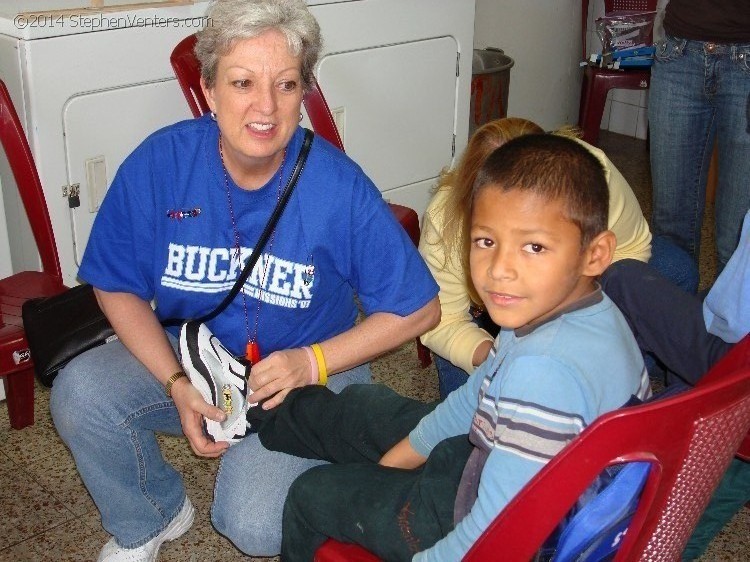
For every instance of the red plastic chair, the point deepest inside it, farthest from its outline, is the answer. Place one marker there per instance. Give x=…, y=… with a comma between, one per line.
x=188, y=71
x=16, y=367
x=598, y=81
x=689, y=438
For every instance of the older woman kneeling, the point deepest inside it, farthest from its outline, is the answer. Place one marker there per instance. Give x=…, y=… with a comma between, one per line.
x=181, y=217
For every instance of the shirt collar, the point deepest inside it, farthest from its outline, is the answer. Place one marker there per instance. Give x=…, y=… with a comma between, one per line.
x=594, y=297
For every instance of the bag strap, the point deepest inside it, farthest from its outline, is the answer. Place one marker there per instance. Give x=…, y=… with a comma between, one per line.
x=263, y=239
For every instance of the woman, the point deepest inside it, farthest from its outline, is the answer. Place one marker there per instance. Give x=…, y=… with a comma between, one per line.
x=180, y=218
x=458, y=343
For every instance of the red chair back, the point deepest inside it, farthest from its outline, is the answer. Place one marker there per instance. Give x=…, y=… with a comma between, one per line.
x=628, y=6
x=188, y=71
x=598, y=81
x=689, y=438
x=15, y=359
x=22, y=165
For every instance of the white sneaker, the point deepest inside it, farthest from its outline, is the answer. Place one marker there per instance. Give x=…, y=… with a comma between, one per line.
x=112, y=552
x=219, y=377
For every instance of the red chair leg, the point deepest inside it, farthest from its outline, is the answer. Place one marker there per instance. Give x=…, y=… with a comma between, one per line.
x=425, y=359
x=590, y=120
x=19, y=392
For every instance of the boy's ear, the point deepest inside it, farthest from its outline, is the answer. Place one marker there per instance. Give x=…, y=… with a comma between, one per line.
x=599, y=254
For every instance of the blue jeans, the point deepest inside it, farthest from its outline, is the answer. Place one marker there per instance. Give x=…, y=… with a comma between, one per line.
x=450, y=377
x=699, y=92
x=674, y=263
x=108, y=408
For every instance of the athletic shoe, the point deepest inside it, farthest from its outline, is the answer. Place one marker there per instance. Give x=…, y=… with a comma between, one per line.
x=112, y=552
x=219, y=377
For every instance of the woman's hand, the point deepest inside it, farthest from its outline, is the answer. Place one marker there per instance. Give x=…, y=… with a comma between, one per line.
x=276, y=375
x=140, y=331
x=192, y=408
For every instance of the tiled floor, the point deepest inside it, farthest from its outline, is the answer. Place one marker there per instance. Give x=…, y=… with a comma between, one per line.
x=47, y=515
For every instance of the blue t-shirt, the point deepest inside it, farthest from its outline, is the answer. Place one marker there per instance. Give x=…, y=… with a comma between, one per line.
x=165, y=233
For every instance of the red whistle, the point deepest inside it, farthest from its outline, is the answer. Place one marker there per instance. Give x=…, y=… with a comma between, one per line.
x=252, y=352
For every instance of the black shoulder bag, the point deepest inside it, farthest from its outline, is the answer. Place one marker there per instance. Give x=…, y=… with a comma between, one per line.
x=63, y=326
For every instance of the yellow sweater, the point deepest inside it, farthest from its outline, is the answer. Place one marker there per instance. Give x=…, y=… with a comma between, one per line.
x=457, y=337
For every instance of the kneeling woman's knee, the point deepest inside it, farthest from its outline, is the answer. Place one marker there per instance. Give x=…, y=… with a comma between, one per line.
x=73, y=395
x=252, y=531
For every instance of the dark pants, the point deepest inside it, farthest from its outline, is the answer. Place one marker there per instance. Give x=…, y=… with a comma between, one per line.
x=667, y=322
x=391, y=512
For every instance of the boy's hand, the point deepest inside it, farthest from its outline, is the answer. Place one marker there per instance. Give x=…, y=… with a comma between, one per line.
x=402, y=455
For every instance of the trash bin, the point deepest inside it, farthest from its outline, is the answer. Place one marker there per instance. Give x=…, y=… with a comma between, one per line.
x=490, y=82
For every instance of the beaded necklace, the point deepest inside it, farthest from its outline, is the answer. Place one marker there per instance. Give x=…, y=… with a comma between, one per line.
x=252, y=349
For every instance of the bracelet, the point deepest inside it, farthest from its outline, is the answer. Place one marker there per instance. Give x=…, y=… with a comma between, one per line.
x=171, y=380
x=321, y=361
x=313, y=365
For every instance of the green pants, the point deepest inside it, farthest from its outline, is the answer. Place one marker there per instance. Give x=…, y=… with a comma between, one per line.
x=731, y=495
x=393, y=513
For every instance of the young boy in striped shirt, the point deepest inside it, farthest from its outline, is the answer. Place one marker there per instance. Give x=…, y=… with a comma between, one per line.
x=415, y=481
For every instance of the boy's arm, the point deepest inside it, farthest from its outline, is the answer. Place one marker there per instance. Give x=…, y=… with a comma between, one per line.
x=403, y=455
x=542, y=408
x=453, y=416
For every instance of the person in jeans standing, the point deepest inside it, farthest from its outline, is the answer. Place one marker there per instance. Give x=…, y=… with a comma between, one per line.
x=700, y=92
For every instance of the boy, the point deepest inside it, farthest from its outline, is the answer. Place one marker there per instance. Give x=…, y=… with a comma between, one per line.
x=564, y=356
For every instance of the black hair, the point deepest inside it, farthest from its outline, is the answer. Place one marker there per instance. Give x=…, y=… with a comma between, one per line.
x=555, y=168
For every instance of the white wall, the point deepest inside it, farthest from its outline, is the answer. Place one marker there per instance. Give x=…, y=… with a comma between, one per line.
x=6, y=266
x=543, y=37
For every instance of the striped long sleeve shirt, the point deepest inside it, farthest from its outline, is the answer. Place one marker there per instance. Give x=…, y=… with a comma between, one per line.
x=542, y=386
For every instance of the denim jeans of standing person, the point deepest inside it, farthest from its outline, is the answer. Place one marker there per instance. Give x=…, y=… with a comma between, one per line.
x=674, y=263
x=699, y=93
x=108, y=409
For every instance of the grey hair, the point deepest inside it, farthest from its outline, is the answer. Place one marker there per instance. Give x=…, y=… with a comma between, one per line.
x=229, y=21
